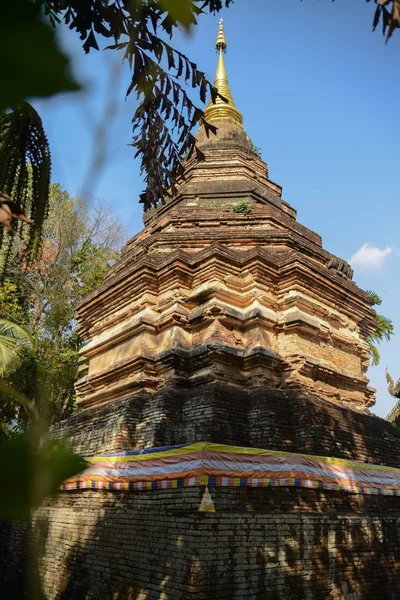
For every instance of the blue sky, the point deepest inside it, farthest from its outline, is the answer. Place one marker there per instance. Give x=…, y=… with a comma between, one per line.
x=319, y=96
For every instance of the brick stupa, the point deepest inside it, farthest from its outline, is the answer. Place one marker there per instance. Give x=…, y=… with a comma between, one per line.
x=224, y=285
x=224, y=321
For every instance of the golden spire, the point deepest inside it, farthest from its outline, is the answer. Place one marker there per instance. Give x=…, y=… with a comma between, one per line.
x=221, y=109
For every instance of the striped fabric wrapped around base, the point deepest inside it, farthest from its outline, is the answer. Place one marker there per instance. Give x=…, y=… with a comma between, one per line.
x=207, y=464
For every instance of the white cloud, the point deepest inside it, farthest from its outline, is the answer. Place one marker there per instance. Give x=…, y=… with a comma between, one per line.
x=369, y=257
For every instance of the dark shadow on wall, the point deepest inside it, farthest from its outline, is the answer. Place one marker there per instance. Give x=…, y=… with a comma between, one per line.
x=275, y=543
x=290, y=420
x=327, y=429
x=13, y=552
x=262, y=543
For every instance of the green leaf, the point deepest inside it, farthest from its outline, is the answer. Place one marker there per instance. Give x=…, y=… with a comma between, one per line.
x=374, y=297
x=375, y=355
x=27, y=476
x=180, y=12
x=57, y=464
x=13, y=340
x=384, y=330
x=31, y=62
x=18, y=397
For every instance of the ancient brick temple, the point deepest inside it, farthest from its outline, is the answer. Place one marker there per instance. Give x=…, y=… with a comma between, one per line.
x=224, y=285
x=224, y=321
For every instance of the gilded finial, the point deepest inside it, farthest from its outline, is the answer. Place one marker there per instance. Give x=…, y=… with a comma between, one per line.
x=221, y=109
x=221, y=41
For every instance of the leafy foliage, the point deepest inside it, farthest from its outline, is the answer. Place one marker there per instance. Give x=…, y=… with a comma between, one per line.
x=242, y=207
x=384, y=330
x=32, y=63
x=256, y=150
x=29, y=474
x=13, y=340
x=374, y=297
x=28, y=471
x=25, y=166
x=166, y=115
x=388, y=13
x=80, y=242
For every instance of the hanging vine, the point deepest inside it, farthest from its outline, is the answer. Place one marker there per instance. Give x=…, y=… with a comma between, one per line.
x=25, y=166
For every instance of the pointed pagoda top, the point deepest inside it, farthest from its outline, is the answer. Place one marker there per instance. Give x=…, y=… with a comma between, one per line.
x=221, y=109
x=221, y=40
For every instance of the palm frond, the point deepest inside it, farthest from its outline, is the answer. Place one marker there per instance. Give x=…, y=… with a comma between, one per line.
x=375, y=355
x=374, y=297
x=13, y=341
x=383, y=332
x=384, y=329
x=16, y=396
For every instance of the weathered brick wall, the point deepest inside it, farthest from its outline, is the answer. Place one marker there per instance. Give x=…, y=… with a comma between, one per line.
x=278, y=543
x=262, y=543
x=260, y=418
x=13, y=552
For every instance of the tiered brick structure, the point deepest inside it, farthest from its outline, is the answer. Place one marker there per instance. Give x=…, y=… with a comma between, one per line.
x=226, y=321
x=208, y=293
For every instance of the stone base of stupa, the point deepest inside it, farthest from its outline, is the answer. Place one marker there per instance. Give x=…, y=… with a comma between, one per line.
x=277, y=543
x=274, y=543
x=264, y=542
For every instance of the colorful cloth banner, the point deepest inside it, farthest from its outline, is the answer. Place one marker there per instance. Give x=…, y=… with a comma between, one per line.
x=207, y=464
